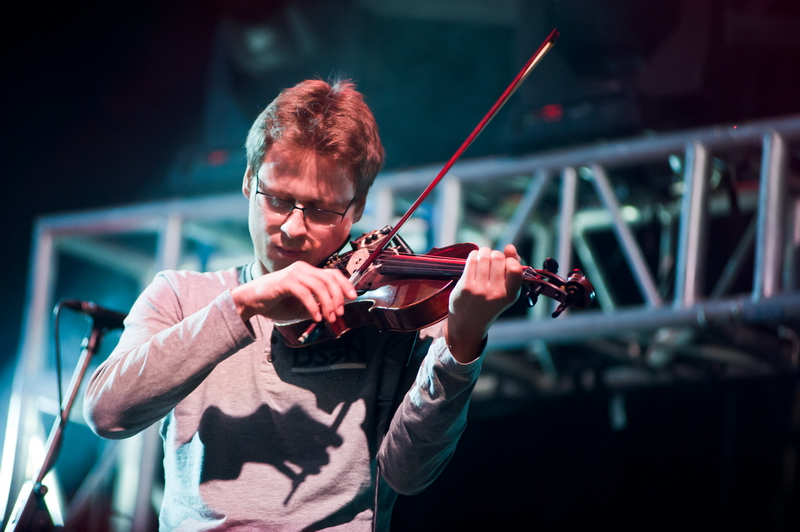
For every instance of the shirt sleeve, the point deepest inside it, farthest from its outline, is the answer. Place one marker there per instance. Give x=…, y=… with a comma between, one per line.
x=162, y=355
x=428, y=423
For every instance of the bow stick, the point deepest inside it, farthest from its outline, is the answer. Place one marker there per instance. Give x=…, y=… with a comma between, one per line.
x=529, y=66
x=532, y=62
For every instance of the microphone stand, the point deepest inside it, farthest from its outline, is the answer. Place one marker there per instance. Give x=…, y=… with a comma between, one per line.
x=30, y=512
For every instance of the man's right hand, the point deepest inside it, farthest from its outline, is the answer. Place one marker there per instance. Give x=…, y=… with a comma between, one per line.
x=299, y=291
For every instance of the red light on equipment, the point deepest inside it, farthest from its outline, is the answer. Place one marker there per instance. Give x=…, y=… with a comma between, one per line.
x=552, y=112
x=217, y=157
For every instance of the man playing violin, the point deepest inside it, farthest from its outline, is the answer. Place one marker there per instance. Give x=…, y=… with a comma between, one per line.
x=260, y=436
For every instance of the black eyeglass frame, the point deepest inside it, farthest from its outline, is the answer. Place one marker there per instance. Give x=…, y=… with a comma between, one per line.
x=281, y=205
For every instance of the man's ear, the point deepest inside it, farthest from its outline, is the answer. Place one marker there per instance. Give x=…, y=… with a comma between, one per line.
x=246, y=181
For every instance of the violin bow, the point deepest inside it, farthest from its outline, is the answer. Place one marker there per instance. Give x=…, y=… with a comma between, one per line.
x=529, y=66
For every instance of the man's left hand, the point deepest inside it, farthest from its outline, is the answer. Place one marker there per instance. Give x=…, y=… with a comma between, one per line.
x=489, y=285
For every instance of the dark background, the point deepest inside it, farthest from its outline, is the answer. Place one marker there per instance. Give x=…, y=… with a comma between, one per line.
x=104, y=104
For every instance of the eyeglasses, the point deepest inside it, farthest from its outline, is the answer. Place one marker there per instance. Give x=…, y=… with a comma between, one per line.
x=312, y=215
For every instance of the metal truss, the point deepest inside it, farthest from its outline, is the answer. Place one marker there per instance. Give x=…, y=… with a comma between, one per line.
x=644, y=218
x=690, y=191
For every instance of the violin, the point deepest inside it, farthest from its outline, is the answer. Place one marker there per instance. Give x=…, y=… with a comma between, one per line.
x=400, y=291
x=403, y=291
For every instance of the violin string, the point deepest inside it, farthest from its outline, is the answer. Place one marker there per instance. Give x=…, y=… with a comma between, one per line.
x=425, y=258
x=420, y=270
x=434, y=264
x=422, y=264
x=400, y=260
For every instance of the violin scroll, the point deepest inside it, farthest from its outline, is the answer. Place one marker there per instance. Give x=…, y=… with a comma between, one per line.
x=576, y=291
x=580, y=289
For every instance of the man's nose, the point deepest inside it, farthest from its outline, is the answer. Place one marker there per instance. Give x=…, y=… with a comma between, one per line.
x=295, y=224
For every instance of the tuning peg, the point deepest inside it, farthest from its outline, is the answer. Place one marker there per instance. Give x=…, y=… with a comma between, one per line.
x=561, y=308
x=551, y=265
x=531, y=294
x=531, y=298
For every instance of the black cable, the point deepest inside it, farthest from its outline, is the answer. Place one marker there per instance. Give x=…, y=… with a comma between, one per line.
x=375, y=496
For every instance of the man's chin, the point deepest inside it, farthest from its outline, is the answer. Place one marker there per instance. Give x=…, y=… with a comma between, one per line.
x=280, y=261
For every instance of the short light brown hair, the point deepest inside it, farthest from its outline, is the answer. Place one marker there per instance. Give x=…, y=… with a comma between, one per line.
x=330, y=118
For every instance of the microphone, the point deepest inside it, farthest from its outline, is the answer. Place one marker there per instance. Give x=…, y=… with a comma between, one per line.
x=103, y=318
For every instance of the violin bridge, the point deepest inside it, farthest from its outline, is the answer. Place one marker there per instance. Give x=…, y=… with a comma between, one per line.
x=357, y=257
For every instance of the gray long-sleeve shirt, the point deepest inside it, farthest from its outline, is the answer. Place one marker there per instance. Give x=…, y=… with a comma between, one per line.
x=260, y=436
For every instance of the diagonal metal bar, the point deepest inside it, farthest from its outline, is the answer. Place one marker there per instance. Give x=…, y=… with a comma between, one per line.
x=528, y=203
x=734, y=264
x=630, y=247
x=593, y=272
